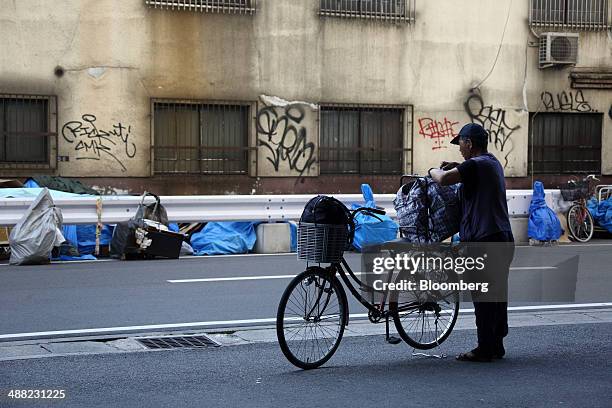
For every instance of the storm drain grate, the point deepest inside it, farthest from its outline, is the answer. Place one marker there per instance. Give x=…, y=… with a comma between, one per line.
x=177, y=342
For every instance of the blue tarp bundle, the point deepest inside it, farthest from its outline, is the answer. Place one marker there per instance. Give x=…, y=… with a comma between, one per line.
x=370, y=230
x=219, y=238
x=84, y=237
x=601, y=212
x=543, y=222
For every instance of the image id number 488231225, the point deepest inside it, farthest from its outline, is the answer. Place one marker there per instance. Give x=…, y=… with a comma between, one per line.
x=36, y=394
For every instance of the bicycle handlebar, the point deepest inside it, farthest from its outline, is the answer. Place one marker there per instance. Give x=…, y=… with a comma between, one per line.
x=414, y=176
x=369, y=211
x=590, y=177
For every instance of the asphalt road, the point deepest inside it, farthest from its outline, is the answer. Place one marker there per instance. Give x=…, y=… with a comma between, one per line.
x=546, y=366
x=137, y=294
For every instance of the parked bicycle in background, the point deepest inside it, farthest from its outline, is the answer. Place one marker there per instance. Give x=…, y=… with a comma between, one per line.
x=580, y=223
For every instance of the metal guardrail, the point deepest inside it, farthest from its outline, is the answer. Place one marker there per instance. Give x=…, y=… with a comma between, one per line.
x=82, y=210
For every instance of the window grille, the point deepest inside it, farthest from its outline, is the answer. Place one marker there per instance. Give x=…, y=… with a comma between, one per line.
x=389, y=10
x=28, y=131
x=565, y=143
x=210, y=6
x=362, y=140
x=200, y=137
x=571, y=14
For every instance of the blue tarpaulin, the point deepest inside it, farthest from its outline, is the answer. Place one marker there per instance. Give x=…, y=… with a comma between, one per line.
x=293, y=230
x=370, y=230
x=543, y=222
x=34, y=192
x=86, y=236
x=75, y=258
x=601, y=212
x=220, y=238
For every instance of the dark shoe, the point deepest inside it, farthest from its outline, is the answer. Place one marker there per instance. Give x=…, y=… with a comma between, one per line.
x=475, y=356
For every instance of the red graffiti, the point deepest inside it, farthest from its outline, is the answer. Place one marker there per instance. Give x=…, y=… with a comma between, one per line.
x=437, y=131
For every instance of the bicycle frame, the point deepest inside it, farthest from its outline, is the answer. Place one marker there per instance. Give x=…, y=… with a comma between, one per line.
x=377, y=310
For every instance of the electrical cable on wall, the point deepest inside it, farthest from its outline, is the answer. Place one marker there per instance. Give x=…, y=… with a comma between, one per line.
x=501, y=42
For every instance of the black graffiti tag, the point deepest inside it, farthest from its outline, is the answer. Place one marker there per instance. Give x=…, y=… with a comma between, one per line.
x=565, y=102
x=284, y=141
x=91, y=143
x=494, y=121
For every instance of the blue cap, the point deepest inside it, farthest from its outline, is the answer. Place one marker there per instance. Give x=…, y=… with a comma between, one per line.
x=474, y=132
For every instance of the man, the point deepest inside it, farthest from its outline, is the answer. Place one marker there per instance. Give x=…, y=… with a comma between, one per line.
x=484, y=219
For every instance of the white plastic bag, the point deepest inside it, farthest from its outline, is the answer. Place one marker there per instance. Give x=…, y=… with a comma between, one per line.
x=37, y=232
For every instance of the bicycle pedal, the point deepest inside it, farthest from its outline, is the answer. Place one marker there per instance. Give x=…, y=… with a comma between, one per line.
x=393, y=340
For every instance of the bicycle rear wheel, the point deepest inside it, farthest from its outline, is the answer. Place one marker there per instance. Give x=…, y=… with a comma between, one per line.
x=580, y=223
x=311, y=317
x=424, y=319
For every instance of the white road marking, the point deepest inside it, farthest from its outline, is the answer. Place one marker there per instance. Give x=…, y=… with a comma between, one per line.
x=230, y=323
x=236, y=278
x=246, y=278
x=526, y=268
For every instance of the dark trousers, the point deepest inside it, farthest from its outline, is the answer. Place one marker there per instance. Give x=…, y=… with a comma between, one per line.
x=492, y=325
x=492, y=314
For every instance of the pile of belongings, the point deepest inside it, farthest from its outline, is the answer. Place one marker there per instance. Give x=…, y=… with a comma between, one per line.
x=427, y=211
x=83, y=240
x=147, y=234
x=37, y=233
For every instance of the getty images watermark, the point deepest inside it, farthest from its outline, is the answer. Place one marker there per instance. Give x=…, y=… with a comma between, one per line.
x=477, y=271
x=421, y=265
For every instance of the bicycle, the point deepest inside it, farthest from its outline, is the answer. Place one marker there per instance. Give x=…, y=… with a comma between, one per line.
x=579, y=220
x=313, y=310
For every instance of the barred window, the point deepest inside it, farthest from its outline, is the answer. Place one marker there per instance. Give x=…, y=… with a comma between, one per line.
x=361, y=140
x=565, y=143
x=200, y=137
x=27, y=132
x=570, y=14
x=390, y=10
x=211, y=6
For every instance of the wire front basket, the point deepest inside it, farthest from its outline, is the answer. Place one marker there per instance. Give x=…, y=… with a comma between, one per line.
x=575, y=191
x=321, y=243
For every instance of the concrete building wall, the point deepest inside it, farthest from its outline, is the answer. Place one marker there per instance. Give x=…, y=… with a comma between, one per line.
x=118, y=56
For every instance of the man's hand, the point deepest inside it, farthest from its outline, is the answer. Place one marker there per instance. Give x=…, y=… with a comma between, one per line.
x=448, y=165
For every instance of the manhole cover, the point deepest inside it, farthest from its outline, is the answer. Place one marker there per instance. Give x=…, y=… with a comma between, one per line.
x=172, y=342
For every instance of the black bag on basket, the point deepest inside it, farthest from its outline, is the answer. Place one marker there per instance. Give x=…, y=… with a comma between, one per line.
x=325, y=230
x=325, y=210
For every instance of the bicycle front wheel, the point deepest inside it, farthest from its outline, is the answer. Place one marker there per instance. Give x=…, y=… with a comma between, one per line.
x=580, y=223
x=311, y=318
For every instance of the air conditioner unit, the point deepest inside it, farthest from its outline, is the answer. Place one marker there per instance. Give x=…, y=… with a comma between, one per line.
x=558, y=49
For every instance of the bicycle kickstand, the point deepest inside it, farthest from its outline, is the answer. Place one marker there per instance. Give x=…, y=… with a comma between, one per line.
x=390, y=339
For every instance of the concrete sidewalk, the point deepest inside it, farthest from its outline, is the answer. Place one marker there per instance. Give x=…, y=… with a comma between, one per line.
x=88, y=346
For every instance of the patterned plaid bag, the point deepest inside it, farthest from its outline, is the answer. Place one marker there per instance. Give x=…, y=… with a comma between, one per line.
x=428, y=212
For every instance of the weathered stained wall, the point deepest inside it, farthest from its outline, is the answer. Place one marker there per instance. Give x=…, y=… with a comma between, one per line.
x=119, y=55
x=287, y=135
